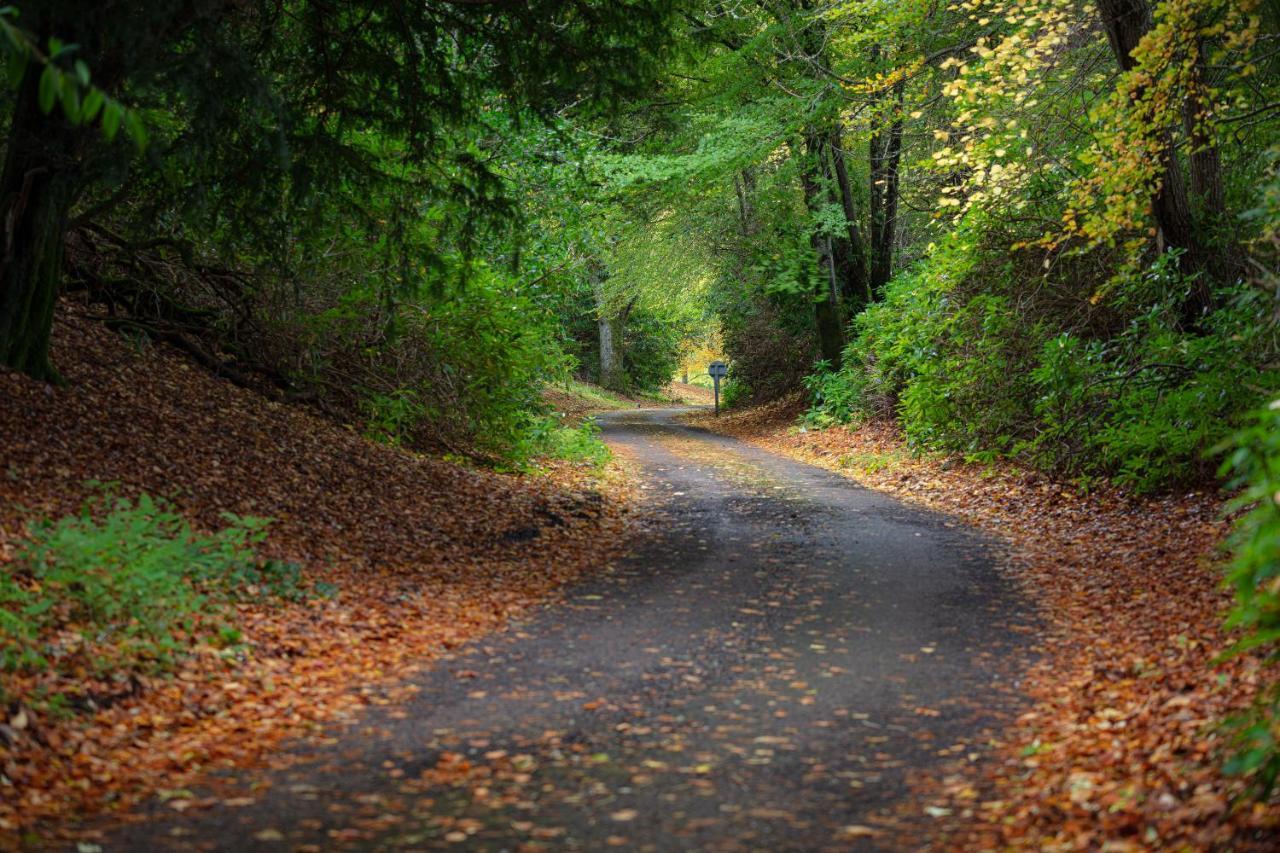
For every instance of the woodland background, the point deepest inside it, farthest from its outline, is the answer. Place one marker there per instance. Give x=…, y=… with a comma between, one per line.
x=1038, y=232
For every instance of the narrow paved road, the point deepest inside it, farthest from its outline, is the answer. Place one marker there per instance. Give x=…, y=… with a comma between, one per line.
x=781, y=654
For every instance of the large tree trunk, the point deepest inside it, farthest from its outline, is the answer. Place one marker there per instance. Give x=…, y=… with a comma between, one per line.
x=886, y=157
x=1206, y=161
x=826, y=298
x=37, y=188
x=1126, y=22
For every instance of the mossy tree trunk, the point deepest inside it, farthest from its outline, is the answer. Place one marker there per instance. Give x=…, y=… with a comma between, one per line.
x=38, y=187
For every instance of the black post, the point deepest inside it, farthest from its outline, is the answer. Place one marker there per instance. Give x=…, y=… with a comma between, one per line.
x=716, y=380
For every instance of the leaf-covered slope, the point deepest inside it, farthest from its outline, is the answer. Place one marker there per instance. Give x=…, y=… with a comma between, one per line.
x=424, y=555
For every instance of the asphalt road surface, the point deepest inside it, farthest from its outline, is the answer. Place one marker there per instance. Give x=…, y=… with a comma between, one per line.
x=781, y=656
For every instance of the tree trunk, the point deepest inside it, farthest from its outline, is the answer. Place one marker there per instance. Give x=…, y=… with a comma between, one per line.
x=826, y=311
x=826, y=298
x=855, y=287
x=1126, y=22
x=38, y=186
x=1206, y=162
x=886, y=156
x=610, y=365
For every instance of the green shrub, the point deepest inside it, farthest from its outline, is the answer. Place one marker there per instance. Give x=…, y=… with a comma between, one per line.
x=1147, y=406
x=134, y=582
x=1253, y=465
x=392, y=418
x=768, y=336
x=546, y=437
x=970, y=355
x=456, y=369
x=943, y=353
x=579, y=443
x=734, y=393
x=837, y=396
x=651, y=351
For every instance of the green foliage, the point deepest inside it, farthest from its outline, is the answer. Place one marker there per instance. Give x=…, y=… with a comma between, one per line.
x=651, y=351
x=579, y=443
x=547, y=437
x=969, y=365
x=837, y=397
x=734, y=393
x=134, y=583
x=1253, y=465
x=768, y=338
x=65, y=81
x=371, y=205
x=392, y=417
x=1147, y=406
x=458, y=369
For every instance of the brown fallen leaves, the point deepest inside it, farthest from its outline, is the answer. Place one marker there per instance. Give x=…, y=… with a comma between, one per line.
x=693, y=395
x=425, y=555
x=1118, y=748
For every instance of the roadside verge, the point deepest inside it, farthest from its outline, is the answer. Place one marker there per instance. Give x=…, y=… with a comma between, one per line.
x=1119, y=748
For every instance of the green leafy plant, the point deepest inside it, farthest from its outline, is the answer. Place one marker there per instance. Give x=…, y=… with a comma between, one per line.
x=133, y=582
x=1253, y=466
x=968, y=364
x=579, y=443
x=546, y=437
x=733, y=393
x=65, y=81
x=391, y=418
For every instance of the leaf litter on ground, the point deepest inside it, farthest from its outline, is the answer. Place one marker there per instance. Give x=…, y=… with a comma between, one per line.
x=1118, y=746
x=423, y=554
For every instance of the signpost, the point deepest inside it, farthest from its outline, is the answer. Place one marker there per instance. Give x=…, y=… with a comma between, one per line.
x=717, y=370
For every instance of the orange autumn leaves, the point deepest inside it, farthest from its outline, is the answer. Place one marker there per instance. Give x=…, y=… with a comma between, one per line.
x=1120, y=745
x=424, y=555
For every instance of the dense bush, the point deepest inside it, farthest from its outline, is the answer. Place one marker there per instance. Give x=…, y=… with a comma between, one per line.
x=1148, y=405
x=734, y=393
x=546, y=436
x=974, y=355
x=458, y=367
x=130, y=584
x=769, y=340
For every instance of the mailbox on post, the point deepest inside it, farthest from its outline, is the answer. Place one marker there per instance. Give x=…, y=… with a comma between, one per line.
x=717, y=370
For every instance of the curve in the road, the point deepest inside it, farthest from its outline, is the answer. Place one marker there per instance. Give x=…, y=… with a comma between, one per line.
x=771, y=666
